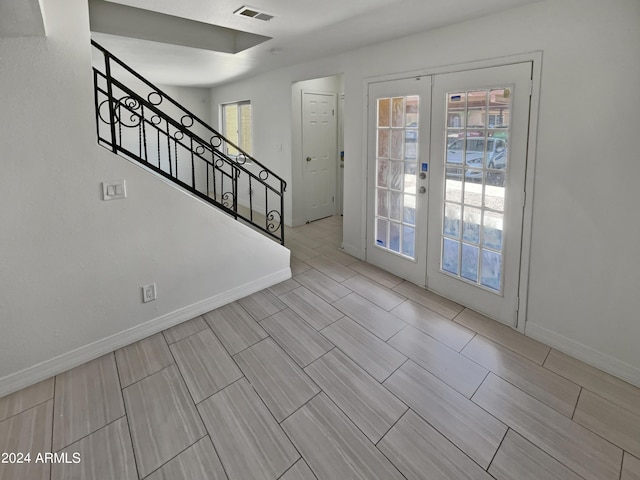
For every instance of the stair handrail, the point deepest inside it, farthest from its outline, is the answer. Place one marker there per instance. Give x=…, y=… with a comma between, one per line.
x=242, y=158
x=191, y=134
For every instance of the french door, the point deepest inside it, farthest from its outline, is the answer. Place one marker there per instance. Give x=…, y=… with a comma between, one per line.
x=399, y=125
x=468, y=218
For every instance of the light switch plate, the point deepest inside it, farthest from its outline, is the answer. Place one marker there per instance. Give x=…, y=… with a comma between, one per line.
x=114, y=189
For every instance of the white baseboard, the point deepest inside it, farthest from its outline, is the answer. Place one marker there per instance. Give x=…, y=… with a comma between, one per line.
x=36, y=373
x=353, y=251
x=615, y=367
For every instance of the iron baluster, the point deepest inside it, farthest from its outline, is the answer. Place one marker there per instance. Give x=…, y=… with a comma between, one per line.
x=140, y=131
x=283, y=186
x=96, y=102
x=193, y=168
x=112, y=117
x=169, y=149
x=144, y=137
x=250, y=200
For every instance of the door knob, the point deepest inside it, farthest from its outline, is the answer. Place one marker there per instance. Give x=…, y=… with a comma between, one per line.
x=308, y=159
x=422, y=190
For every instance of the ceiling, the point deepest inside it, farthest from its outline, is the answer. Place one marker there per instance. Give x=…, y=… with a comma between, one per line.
x=301, y=30
x=21, y=18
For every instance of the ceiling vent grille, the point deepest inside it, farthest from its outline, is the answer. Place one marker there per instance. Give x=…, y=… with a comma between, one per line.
x=253, y=13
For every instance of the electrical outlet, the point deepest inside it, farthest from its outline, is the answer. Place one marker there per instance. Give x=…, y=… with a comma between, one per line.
x=148, y=293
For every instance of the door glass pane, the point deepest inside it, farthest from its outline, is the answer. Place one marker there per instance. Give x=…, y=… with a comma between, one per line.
x=397, y=168
x=383, y=173
x=494, y=196
x=491, y=269
x=409, y=212
x=395, y=207
x=397, y=112
x=473, y=190
x=383, y=202
x=410, y=177
x=411, y=112
x=452, y=217
x=384, y=112
x=469, y=268
x=382, y=232
x=408, y=241
x=411, y=144
x=456, y=104
x=492, y=230
x=477, y=150
x=397, y=144
x=383, y=143
x=394, y=236
x=500, y=103
x=476, y=109
x=450, y=254
x=395, y=176
x=471, y=225
x=453, y=185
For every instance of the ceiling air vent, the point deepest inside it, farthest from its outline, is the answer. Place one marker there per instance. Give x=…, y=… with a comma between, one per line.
x=253, y=13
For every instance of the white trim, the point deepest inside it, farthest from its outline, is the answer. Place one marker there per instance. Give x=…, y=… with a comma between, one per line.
x=529, y=189
x=36, y=373
x=364, y=169
x=615, y=367
x=534, y=56
x=353, y=251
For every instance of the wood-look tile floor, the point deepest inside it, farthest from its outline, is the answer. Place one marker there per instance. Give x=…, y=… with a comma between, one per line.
x=342, y=372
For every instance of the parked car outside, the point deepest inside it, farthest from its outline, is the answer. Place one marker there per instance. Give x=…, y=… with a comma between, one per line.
x=474, y=156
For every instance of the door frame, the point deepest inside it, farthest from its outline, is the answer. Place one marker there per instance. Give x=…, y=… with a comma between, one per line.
x=534, y=107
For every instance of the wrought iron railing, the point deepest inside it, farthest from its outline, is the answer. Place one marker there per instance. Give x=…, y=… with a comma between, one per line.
x=137, y=120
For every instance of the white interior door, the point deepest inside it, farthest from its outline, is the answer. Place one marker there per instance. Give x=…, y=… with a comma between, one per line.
x=398, y=149
x=478, y=163
x=319, y=147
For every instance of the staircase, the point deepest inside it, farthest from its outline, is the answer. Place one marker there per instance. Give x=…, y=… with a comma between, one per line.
x=138, y=121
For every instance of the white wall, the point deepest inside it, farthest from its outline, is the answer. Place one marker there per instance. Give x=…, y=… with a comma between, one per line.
x=585, y=264
x=71, y=265
x=196, y=100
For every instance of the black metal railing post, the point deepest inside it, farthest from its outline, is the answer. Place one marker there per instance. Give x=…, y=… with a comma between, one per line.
x=112, y=113
x=283, y=187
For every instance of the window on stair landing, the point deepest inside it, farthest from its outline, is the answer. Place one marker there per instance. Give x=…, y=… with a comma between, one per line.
x=236, y=126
